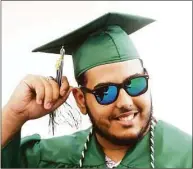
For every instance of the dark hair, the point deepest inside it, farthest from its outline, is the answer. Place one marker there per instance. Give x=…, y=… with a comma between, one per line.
x=82, y=80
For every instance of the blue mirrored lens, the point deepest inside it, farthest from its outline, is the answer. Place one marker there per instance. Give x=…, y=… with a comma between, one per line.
x=106, y=95
x=136, y=86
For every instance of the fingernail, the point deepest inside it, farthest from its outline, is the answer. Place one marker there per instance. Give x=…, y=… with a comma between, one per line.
x=48, y=105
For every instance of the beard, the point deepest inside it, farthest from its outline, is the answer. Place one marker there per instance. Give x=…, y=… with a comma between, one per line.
x=124, y=141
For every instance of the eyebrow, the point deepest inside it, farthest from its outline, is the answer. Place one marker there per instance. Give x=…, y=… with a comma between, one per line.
x=106, y=83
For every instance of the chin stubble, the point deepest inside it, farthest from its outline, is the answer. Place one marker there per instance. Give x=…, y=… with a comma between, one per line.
x=120, y=141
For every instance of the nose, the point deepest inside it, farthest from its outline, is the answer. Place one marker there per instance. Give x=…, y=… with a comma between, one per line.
x=124, y=100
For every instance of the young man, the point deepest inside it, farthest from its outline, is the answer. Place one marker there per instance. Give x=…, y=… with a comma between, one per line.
x=113, y=90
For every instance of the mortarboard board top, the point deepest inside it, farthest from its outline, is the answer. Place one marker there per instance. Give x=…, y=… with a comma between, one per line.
x=102, y=41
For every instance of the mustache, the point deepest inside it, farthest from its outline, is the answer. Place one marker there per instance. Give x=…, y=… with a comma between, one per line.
x=124, y=110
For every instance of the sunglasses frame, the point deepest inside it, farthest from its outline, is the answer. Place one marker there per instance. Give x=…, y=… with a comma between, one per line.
x=119, y=86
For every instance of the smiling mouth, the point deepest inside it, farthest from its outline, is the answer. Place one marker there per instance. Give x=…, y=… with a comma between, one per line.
x=126, y=117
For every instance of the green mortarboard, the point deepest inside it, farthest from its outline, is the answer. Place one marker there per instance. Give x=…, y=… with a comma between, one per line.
x=102, y=41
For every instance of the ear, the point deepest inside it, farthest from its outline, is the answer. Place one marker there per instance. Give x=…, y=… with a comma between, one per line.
x=80, y=100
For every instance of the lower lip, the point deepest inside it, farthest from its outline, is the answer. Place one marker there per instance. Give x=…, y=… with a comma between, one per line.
x=127, y=123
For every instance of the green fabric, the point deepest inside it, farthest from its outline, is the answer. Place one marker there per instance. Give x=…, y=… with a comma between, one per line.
x=102, y=41
x=173, y=149
x=107, y=46
x=10, y=155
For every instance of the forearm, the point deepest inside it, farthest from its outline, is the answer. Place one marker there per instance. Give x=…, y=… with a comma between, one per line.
x=11, y=124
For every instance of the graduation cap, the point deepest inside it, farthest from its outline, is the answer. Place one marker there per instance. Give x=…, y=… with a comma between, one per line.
x=102, y=41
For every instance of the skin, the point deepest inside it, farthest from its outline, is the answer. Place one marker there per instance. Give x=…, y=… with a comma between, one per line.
x=115, y=138
x=34, y=97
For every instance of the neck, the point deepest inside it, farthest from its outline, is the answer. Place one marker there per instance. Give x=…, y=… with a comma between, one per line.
x=113, y=151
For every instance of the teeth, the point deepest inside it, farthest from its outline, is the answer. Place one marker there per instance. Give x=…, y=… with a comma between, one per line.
x=130, y=117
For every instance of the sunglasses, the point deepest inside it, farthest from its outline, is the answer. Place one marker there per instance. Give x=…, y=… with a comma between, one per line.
x=108, y=93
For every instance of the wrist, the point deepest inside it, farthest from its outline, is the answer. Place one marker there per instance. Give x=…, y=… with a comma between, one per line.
x=17, y=119
x=11, y=124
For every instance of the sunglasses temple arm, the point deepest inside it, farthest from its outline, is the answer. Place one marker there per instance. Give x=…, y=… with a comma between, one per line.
x=86, y=90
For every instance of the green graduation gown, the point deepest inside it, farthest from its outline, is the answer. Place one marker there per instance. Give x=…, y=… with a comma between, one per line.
x=173, y=149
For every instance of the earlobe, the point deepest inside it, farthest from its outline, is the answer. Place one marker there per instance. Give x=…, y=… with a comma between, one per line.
x=80, y=99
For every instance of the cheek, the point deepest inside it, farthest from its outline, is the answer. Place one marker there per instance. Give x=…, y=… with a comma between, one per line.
x=143, y=102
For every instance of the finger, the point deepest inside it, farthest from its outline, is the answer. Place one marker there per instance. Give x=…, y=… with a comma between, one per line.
x=40, y=93
x=65, y=86
x=61, y=100
x=55, y=89
x=48, y=98
x=36, y=85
